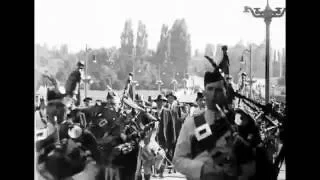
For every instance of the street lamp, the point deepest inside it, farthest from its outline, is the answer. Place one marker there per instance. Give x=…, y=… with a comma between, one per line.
x=185, y=81
x=159, y=83
x=86, y=70
x=273, y=89
x=267, y=14
x=110, y=81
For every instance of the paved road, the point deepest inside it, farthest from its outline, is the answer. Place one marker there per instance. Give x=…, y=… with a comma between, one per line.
x=88, y=174
x=179, y=176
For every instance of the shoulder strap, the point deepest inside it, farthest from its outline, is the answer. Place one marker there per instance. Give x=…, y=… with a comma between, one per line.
x=42, y=118
x=199, y=120
x=207, y=141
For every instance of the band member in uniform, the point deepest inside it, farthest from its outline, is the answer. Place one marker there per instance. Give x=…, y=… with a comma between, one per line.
x=162, y=114
x=110, y=128
x=173, y=120
x=196, y=150
x=60, y=158
x=72, y=86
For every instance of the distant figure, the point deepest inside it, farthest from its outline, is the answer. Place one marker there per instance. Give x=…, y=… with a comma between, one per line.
x=201, y=104
x=73, y=82
x=224, y=64
x=87, y=101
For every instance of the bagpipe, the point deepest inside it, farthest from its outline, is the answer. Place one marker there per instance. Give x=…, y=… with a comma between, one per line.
x=135, y=131
x=136, y=123
x=68, y=149
x=267, y=120
x=66, y=152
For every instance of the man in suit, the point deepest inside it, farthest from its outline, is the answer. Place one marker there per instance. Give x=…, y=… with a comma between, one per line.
x=163, y=115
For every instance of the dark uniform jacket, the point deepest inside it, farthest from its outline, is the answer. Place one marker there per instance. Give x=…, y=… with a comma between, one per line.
x=71, y=84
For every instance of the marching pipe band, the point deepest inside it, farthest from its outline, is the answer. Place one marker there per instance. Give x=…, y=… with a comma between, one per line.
x=135, y=132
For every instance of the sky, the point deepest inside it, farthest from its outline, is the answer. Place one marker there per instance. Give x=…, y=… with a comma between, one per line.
x=99, y=23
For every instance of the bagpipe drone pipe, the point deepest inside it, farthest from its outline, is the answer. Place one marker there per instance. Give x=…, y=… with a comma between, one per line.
x=247, y=127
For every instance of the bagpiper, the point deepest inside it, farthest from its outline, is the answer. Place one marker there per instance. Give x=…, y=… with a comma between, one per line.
x=204, y=148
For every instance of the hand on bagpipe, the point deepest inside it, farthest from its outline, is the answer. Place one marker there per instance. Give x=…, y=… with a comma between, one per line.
x=245, y=134
x=255, y=106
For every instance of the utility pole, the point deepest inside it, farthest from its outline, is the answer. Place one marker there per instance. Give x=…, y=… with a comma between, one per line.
x=159, y=82
x=85, y=72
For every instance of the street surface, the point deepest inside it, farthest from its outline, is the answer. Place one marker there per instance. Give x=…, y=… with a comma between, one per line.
x=179, y=176
x=88, y=174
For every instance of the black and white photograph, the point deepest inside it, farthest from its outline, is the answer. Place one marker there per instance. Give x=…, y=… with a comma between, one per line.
x=160, y=90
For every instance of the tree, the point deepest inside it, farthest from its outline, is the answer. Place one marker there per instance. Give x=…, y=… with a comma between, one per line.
x=63, y=50
x=61, y=76
x=127, y=38
x=209, y=51
x=180, y=45
x=95, y=86
x=103, y=85
x=142, y=40
x=126, y=50
x=196, y=53
x=163, y=48
x=43, y=61
x=235, y=55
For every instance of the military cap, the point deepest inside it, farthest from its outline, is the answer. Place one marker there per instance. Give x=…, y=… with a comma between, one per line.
x=80, y=65
x=171, y=93
x=224, y=48
x=243, y=74
x=210, y=77
x=199, y=96
x=161, y=97
x=87, y=99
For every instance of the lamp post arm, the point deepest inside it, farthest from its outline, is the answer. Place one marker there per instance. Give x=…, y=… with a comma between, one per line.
x=257, y=13
x=280, y=14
